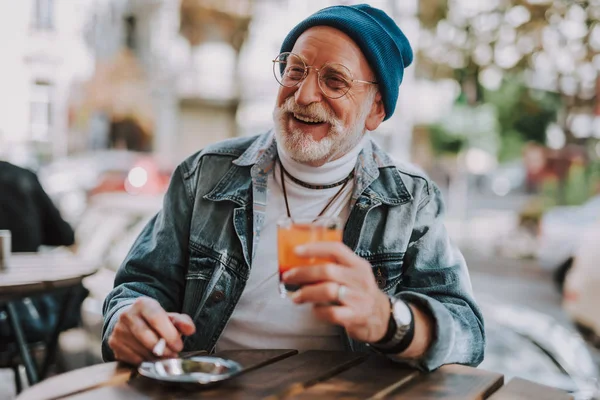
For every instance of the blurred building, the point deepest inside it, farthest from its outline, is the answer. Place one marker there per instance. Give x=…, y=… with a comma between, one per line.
x=181, y=87
x=43, y=53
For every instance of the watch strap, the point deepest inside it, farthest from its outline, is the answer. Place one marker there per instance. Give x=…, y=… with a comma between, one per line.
x=391, y=328
x=401, y=339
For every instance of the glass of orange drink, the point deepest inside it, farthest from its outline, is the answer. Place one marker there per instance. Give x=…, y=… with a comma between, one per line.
x=295, y=232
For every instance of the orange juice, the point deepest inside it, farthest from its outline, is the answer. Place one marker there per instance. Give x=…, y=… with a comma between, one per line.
x=291, y=234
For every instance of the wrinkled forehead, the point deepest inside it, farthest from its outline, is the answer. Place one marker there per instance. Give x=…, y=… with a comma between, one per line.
x=321, y=44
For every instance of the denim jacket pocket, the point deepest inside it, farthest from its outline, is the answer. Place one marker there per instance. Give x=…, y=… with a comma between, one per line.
x=387, y=269
x=211, y=278
x=200, y=271
x=212, y=290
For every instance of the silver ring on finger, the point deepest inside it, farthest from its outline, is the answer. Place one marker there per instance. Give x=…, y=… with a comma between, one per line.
x=341, y=293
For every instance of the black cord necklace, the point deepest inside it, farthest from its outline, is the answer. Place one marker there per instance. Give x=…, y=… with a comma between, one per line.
x=343, y=182
x=315, y=187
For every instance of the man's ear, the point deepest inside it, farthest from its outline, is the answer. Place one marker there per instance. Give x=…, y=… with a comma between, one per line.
x=377, y=114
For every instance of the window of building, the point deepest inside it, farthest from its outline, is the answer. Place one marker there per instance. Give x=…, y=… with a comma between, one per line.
x=40, y=110
x=43, y=15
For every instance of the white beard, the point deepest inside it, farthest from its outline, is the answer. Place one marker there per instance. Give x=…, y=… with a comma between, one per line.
x=302, y=148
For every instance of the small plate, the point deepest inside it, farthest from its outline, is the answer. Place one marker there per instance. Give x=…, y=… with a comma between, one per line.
x=201, y=370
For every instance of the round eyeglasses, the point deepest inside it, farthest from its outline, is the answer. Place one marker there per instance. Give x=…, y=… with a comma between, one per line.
x=335, y=80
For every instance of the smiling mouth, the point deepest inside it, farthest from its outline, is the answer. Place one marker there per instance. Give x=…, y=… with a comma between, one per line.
x=307, y=120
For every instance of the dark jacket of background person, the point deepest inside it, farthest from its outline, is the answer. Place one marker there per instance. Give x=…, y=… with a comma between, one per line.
x=27, y=211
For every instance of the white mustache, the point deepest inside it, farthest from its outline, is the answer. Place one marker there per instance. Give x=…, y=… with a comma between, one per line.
x=314, y=110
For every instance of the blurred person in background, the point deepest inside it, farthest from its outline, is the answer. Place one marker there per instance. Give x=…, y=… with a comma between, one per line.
x=33, y=220
x=581, y=294
x=206, y=266
x=28, y=212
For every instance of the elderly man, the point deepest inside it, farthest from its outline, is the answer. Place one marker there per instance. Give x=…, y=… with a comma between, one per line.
x=205, y=268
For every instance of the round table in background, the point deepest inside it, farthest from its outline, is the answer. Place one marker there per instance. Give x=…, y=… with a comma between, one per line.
x=32, y=274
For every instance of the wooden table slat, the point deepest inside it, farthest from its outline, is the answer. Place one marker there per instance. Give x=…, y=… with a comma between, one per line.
x=361, y=381
x=451, y=382
x=521, y=389
x=119, y=392
x=294, y=375
x=254, y=359
x=78, y=381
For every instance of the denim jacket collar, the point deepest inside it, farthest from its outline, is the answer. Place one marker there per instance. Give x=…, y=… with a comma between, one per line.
x=231, y=188
x=371, y=159
x=377, y=177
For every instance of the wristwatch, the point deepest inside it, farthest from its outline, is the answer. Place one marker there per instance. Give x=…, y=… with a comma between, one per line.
x=401, y=328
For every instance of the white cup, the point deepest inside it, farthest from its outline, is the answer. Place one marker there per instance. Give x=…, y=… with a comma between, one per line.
x=5, y=249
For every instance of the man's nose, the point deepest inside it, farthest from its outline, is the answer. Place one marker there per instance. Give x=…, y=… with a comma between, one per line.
x=308, y=91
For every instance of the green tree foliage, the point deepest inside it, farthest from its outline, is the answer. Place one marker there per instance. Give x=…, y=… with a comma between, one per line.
x=523, y=114
x=529, y=58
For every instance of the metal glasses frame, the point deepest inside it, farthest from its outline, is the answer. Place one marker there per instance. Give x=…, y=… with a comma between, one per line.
x=277, y=62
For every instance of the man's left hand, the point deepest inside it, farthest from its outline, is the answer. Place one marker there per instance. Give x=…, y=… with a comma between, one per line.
x=363, y=310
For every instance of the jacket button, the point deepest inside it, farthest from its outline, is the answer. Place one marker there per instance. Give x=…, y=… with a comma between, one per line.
x=217, y=296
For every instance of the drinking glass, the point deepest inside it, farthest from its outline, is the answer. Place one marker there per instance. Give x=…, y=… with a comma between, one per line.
x=295, y=232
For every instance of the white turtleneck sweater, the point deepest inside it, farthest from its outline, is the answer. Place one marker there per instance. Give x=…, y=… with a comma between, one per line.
x=262, y=319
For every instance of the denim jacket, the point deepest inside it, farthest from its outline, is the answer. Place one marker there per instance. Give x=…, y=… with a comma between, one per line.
x=195, y=255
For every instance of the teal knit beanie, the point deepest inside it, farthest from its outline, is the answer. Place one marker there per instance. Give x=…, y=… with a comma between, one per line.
x=382, y=42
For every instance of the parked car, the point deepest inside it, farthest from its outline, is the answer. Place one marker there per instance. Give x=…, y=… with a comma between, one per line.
x=72, y=181
x=561, y=232
x=528, y=344
x=582, y=285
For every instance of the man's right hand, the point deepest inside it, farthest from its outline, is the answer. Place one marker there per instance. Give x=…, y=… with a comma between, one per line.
x=141, y=326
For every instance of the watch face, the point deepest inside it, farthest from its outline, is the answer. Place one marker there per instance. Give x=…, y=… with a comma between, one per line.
x=402, y=313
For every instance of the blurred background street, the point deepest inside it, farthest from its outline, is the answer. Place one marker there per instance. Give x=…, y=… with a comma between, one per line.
x=103, y=98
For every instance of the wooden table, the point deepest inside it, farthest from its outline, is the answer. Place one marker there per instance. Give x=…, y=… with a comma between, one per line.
x=285, y=374
x=31, y=274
